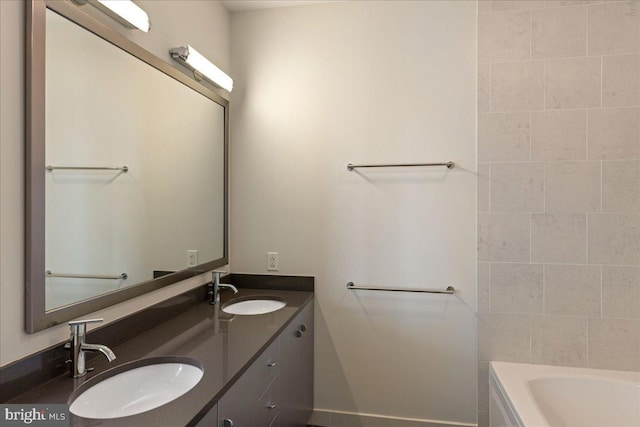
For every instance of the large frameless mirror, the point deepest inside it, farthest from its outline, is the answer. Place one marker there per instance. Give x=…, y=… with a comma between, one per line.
x=126, y=169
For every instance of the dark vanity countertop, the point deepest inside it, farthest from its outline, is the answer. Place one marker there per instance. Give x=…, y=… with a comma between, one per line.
x=225, y=345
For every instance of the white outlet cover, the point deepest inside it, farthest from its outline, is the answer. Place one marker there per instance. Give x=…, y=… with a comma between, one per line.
x=272, y=261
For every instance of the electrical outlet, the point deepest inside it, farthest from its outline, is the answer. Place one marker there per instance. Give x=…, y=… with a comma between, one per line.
x=272, y=261
x=192, y=257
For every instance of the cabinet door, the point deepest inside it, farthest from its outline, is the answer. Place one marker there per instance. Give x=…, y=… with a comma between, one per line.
x=296, y=374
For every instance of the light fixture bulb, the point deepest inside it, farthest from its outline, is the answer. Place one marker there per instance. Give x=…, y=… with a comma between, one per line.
x=196, y=61
x=129, y=11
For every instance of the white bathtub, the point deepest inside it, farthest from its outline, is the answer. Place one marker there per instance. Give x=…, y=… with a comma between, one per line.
x=524, y=395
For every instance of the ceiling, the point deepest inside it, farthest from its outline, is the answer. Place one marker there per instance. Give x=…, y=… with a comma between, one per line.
x=244, y=5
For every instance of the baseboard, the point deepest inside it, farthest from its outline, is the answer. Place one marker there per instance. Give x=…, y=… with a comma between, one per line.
x=326, y=418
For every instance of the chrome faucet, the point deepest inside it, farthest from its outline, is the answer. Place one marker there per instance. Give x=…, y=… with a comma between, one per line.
x=78, y=347
x=215, y=285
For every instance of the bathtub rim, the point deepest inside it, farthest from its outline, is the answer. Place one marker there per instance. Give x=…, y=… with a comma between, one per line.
x=512, y=381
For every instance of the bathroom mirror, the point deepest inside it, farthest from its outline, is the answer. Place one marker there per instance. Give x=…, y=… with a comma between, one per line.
x=126, y=169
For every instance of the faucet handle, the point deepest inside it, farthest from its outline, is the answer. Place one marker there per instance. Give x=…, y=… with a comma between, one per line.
x=79, y=327
x=85, y=321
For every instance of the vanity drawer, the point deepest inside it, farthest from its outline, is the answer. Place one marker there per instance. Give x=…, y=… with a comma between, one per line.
x=269, y=405
x=267, y=367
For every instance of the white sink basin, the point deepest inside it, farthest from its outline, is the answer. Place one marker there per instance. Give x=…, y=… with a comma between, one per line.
x=253, y=306
x=138, y=389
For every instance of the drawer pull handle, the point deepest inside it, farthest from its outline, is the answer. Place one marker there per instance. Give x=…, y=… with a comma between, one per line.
x=298, y=333
x=303, y=327
x=227, y=422
x=272, y=364
x=272, y=406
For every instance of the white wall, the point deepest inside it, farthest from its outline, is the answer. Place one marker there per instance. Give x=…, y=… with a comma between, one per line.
x=318, y=87
x=202, y=24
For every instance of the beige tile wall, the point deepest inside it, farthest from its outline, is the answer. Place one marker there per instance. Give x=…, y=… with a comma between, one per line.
x=558, y=184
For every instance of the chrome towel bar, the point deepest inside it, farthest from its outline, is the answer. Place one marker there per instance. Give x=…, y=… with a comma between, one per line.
x=86, y=276
x=449, y=165
x=123, y=169
x=450, y=289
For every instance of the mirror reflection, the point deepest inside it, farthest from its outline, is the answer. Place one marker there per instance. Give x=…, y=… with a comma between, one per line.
x=135, y=169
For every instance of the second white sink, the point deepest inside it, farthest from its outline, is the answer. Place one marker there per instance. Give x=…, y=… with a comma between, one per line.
x=253, y=306
x=138, y=389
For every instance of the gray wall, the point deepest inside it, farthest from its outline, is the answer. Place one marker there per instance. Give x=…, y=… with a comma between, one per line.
x=558, y=185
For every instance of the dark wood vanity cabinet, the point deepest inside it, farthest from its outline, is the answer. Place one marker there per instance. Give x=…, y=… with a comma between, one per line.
x=277, y=390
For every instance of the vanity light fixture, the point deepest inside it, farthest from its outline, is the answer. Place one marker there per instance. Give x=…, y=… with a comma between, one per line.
x=125, y=12
x=198, y=63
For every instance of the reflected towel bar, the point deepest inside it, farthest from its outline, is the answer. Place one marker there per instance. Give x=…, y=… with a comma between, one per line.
x=123, y=169
x=449, y=165
x=85, y=276
x=450, y=289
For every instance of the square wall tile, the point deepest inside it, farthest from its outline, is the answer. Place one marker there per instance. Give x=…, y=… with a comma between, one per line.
x=621, y=186
x=517, y=86
x=614, y=28
x=614, y=344
x=516, y=288
x=572, y=290
x=613, y=134
x=572, y=187
x=504, y=337
x=559, y=135
x=503, y=137
x=572, y=83
x=559, y=32
x=621, y=292
x=614, y=239
x=504, y=5
x=504, y=36
x=558, y=238
x=517, y=187
x=621, y=81
x=484, y=87
x=484, y=6
x=503, y=237
x=559, y=340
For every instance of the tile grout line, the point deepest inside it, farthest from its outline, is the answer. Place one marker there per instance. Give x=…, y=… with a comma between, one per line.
x=588, y=364
x=601, y=294
x=586, y=243
x=559, y=109
x=490, y=292
x=530, y=144
x=530, y=245
x=601, y=81
x=586, y=29
x=530, y=35
x=524, y=262
x=490, y=87
x=544, y=287
x=601, y=186
x=490, y=185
